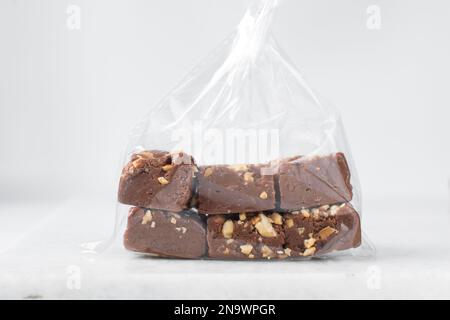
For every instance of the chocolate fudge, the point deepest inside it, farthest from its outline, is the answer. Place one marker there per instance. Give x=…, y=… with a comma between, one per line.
x=305, y=182
x=298, y=234
x=226, y=189
x=158, y=180
x=321, y=230
x=246, y=236
x=165, y=234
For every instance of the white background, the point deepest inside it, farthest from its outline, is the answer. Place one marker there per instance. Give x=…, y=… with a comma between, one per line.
x=69, y=97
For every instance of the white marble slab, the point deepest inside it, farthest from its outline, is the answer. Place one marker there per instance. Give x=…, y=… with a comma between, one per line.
x=41, y=258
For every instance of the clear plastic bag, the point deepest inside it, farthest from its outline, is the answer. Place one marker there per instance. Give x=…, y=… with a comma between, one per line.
x=241, y=160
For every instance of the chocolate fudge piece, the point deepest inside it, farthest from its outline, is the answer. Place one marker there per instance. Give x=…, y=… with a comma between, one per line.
x=298, y=234
x=321, y=230
x=247, y=236
x=306, y=182
x=165, y=234
x=235, y=188
x=158, y=180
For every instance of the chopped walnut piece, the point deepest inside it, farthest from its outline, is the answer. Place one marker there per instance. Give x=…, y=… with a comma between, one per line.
x=147, y=217
x=138, y=163
x=300, y=231
x=266, y=251
x=163, y=180
x=246, y=249
x=167, y=167
x=208, y=172
x=276, y=218
x=309, y=252
x=263, y=195
x=265, y=228
x=248, y=177
x=173, y=220
x=334, y=210
x=255, y=220
x=242, y=216
x=305, y=213
x=326, y=232
x=289, y=223
x=153, y=224
x=288, y=251
x=309, y=242
x=227, y=229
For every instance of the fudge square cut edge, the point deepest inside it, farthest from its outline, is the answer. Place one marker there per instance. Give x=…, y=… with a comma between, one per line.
x=165, y=234
x=225, y=189
x=318, y=231
x=305, y=182
x=246, y=236
x=299, y=234
x=159, y=180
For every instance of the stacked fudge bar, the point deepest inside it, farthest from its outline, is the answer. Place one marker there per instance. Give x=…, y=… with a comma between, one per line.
x=289, y=208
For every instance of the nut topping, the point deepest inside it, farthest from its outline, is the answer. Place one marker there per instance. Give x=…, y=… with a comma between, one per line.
x=227, y=229
x=333, y=210
x=255, y=220
x=265, y=228
x=263, y=195
x=208, y=172
x=242, y=216
x=246, y=249
x=309, y=242
x=266, y=251
x=288, y=251
x=276, y=218
x=138, y=163
x=309, y=252
x=147, y=217
x=305, y=213
x=248, y=177
x=289, y=223
x=163, y=180
x=326, y=232
x=167, y=167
